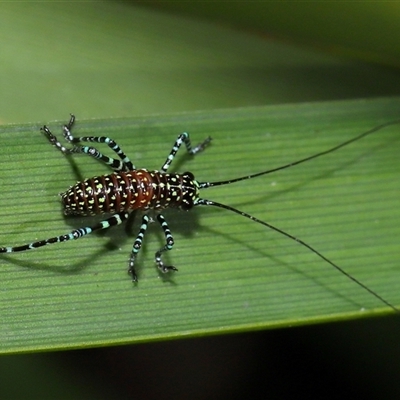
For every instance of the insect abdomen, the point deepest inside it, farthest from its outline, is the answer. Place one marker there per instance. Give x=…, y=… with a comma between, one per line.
x=128, y=191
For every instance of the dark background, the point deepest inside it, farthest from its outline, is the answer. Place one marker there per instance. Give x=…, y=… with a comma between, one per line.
x=358, y=359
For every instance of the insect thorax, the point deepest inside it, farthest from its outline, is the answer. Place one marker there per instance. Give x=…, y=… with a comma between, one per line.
x=127, y=191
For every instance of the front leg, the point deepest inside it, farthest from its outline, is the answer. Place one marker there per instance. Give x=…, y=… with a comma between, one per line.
x=137, y=245
x=169, y=243
x=184, y=138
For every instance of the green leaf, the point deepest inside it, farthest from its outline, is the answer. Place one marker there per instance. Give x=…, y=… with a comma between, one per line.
x=233, y=274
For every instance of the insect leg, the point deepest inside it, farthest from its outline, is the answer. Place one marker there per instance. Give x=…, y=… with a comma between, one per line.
x=169, y=243
x=124, y=164
x=116, y=219
x=137, y=245
x=184, y=138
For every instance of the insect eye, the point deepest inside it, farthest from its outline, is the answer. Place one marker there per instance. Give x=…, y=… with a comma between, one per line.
x=189, y=175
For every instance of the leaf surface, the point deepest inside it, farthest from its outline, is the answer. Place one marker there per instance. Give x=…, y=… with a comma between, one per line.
x=234, y=274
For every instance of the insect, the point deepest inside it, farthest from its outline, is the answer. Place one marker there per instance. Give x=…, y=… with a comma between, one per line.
x=128, y=189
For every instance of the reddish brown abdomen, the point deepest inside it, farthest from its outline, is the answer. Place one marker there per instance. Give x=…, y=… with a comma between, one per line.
x=120, y=191
x=127, y=191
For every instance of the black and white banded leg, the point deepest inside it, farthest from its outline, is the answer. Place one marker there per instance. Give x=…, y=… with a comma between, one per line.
x=169, y=243
x=116, y=219
x=184, y=138
x=137, y=245
x=124, y=164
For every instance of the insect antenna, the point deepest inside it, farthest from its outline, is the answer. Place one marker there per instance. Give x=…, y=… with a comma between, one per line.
x=204, y=185
x=301, y=242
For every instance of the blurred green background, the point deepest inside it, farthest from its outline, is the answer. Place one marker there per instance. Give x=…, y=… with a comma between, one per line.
x=112, y=59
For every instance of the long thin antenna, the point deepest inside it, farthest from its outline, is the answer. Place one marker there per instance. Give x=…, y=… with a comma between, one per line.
x=204, y=185
x=376, y=295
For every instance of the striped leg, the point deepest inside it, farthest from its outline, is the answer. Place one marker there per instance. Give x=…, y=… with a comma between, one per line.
x=169, y=243
x=184, y=138
x=137, y=245
x=124, y=164
x=116, y=219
